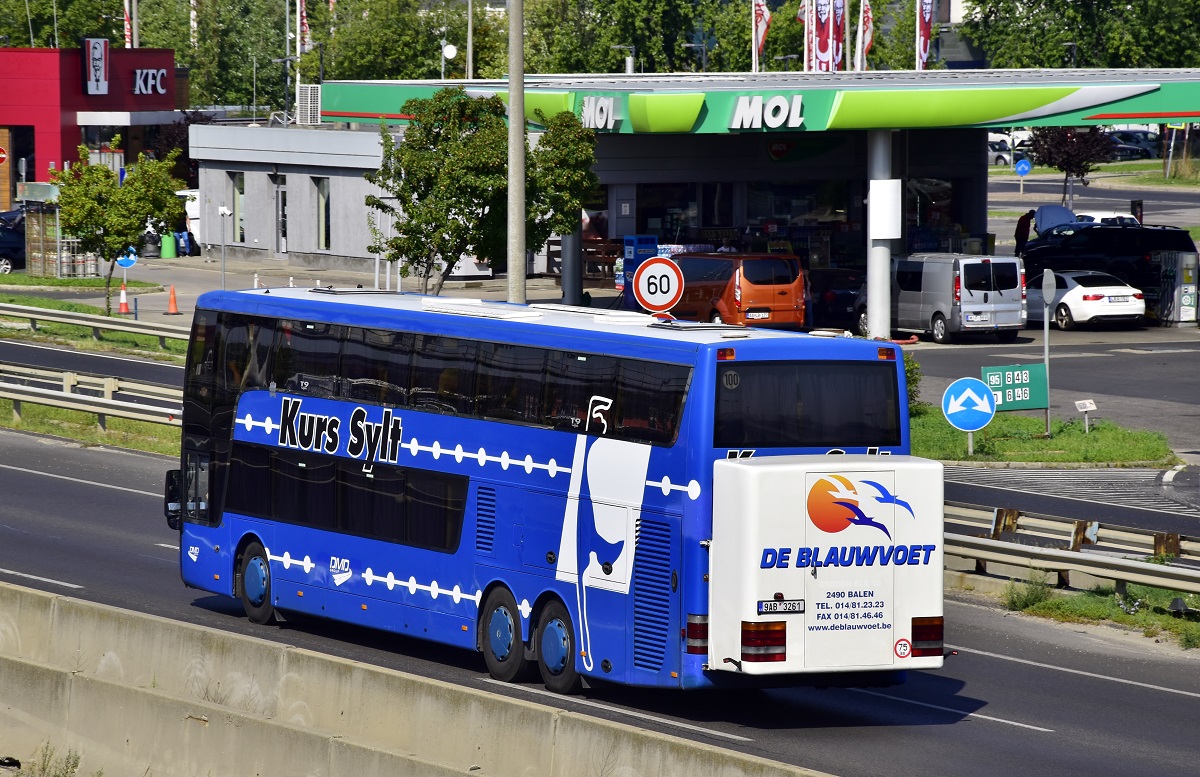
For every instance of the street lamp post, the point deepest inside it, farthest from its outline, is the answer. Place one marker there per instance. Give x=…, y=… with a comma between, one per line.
x=225, y=213
x=1073, y=47
x=703, y=54
x=287, y=80
x=787, y=60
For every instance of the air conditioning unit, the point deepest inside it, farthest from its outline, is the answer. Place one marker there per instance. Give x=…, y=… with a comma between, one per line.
x=309, y=109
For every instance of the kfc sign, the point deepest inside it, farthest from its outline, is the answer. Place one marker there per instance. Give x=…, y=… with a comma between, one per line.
x=752, y=113
x=95, y=65
x=150, y=81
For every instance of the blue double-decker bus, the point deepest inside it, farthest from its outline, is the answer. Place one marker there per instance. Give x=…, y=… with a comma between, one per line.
x=571, y=492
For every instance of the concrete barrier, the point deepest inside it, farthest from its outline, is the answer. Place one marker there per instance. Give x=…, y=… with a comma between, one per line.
x=137, y=694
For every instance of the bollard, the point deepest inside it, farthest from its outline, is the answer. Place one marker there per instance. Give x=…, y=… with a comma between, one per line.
x=135, y=308
x=256, y=280
x=291, y=282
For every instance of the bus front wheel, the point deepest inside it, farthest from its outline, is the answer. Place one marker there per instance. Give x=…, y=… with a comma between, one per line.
x=556, y=650
x=254, y=577
x=503, y=649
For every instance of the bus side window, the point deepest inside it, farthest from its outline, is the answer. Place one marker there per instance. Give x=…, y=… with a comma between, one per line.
x=375, y=366
x=196, y=490
x=510, y=382
x=650, y=401
x=443, y=375
x=580, y=389
x=306, y=358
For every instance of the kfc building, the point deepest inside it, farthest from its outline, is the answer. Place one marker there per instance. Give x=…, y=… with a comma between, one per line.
x=54, y=100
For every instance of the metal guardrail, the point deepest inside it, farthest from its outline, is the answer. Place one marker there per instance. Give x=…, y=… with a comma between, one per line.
x=96, y=323
x=13, y=380
x=1062, y=545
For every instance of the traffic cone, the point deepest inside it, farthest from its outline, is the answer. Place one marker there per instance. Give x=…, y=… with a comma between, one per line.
x=172, y=307
x=124, y=309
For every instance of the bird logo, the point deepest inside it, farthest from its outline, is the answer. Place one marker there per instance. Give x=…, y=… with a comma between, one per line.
x=834, y=503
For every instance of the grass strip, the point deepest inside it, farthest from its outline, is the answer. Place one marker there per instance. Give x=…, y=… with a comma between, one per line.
x=21, y=279
x=84, y=428
x=81, y=337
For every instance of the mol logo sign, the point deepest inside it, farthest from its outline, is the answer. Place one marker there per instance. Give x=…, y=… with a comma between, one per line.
x=753, y=111
x=599, y=113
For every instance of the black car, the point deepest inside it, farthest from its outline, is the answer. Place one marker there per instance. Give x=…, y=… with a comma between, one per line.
x=833, y=291
x=1120, y=250
x=12, y=249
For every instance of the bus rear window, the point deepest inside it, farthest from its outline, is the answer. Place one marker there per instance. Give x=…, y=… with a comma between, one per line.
x=805, y=404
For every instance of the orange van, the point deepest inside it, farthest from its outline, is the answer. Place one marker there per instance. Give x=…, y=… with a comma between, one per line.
x=743, y=289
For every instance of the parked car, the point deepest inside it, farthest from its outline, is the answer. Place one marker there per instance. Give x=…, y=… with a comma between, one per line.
x=1121, y=250
x=1123, y=152
x=1107, y=217
x=12, y=249
x=1055, y=235
x=945, y=295
x=1150, y=141
x=1088, y=297
x=741, y=289
x=833, y=291
x=1000, y=154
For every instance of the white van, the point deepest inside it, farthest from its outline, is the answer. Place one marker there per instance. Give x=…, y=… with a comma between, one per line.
x=944, y=295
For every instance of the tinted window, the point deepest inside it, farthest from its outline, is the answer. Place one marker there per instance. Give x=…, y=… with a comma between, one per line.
x=371, y=503
x=990, y=276
x=771, y=271
x=579, y=392
x=650, y=401
x=306, y=358
x=908, y=275
x=1098, y=279
x=703, y=268
x=1168, y=240
x=806, y=404
x=511, y=384
x=250, y=481
x=443, y=374
x=375, y=366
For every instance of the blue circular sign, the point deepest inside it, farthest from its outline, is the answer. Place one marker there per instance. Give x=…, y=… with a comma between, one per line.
x=127, y=259
x=1023, y=167
x=968, y=404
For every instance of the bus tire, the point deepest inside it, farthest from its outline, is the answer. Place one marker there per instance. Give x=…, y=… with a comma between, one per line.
x=500, y=626
x=254, y=583
x=556, y=650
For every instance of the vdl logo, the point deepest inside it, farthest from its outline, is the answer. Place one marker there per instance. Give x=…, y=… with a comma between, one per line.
x=834, y=503
x=340, y=570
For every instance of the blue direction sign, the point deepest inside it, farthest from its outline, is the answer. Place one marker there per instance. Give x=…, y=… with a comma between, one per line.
x=968, y=404
x=127, y=259
x=1023, y=167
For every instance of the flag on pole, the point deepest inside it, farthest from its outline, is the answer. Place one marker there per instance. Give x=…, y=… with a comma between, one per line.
x=822, y=35
x=840, y=22
x=305, y=34
x=762, y=21
x=802, y=18
x=924, y=31
x=128, y=27
x=866, y=35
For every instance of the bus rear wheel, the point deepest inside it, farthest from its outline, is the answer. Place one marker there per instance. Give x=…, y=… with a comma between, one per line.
x=503, y=649
x=254, y=584
x=556, y=650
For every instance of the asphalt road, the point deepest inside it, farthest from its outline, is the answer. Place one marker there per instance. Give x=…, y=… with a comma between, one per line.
x=1021, y=696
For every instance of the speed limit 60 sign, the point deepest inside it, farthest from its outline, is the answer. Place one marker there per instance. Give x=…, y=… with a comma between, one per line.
x=658, y=284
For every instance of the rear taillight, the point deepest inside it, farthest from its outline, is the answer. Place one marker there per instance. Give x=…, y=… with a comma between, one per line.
x=1139, y=295
x=829, y=296
x=957, y=289
x=763, y=642
x=1092, y=297
x=696, y=634
x=1022, y=284
x=927, y=636
x=737, y=287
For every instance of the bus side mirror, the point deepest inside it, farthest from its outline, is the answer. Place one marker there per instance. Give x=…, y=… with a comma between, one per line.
x=172, y=503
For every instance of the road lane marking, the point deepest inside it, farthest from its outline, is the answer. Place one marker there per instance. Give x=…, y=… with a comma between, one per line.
x=77, y=480
x=96, y=354
x=951, y=709
x=560, y=699
x=164, y=545
x=1067, y=670
x=39, y=579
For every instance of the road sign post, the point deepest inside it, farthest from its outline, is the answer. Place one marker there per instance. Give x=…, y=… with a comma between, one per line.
x=1048, y=286
x=1023, y=168
x=968, y=406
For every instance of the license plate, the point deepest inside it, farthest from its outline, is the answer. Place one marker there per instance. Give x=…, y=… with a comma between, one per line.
x=1118, y=299
x=758, y=314
x=979, y=318
x=767, y=606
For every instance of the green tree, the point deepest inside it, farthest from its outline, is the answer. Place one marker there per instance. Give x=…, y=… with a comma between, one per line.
x=109, y=216
x=895, y=46
x=560, y=35
x=1100, y=34
x=446, y=185
x=1071, y=151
